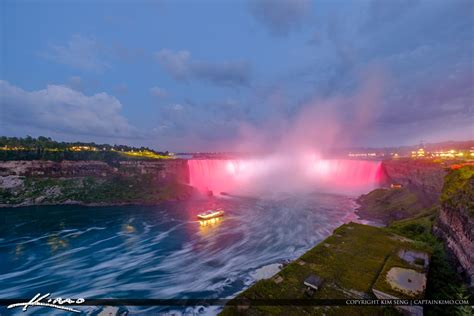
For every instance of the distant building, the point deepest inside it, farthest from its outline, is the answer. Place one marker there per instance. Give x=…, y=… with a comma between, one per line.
x=83, y=148
x=420, y=153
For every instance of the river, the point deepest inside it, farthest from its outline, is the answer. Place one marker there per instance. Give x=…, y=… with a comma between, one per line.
x=159, y=251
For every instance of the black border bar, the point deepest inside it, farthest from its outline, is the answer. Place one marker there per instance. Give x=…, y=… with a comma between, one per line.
x=258, y=302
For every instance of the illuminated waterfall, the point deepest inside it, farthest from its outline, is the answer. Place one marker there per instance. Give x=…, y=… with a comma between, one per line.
x=276, y=174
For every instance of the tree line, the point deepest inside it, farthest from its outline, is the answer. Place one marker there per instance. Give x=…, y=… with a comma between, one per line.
x=45, y=148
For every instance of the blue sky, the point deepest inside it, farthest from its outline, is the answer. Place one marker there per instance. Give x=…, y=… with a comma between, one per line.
x=205, y=75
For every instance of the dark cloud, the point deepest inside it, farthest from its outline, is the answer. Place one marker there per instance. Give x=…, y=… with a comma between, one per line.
x=423, y=46
x=448, y=99
x=181, y=66
x=227, y=74
x=280, y=17
x=61, y=109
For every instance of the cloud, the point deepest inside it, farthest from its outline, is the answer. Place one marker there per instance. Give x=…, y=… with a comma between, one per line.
x=158, y=92
x=79, y=52
x=175, y=63
x=227, y=74
x=208, y=121
x=121, y=88
x=280, y=17
x=76, y=83
x=424, y=48
x=181, y=66
x=440, y=99
x=177, y=107
x=382, y=12
x=60, y=109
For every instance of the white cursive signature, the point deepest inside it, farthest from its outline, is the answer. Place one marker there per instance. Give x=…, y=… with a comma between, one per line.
x=53, y=303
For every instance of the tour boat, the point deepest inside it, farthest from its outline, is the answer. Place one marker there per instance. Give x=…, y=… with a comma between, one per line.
x=211, y=214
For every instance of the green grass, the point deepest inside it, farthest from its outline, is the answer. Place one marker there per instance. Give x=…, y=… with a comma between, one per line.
x=395, y=261
x=390, y=204
x=349, y=261
x=458, y=189
x=145, y=154
x=443, y=281
x=418, y=227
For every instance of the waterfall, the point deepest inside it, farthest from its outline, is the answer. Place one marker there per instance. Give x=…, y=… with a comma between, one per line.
x=286, y=175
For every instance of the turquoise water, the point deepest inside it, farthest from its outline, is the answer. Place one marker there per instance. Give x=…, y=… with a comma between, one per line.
x=157, y=251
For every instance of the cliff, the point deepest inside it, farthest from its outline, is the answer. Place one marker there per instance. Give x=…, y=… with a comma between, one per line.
x=386, y=205
x=40, y=182
x=455, y=224
x=423, y=177
x=162, y=169
x=421, y=185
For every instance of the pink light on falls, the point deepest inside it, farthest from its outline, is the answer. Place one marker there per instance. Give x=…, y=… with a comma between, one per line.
x=276, y=174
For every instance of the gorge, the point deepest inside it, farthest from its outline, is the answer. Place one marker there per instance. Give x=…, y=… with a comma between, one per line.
x=157, y=200
x=61, y=179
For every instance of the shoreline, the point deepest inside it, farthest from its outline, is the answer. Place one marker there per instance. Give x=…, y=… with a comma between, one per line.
x=84, y=204
x=356, y=207
x=408, y=217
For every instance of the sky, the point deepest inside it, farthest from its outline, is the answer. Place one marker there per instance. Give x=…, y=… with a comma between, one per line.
x=238, y=74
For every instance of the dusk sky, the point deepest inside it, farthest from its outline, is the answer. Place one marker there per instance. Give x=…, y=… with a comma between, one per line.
x=205, y=75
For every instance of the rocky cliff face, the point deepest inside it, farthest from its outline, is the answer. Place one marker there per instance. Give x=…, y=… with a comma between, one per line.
x=455, y=224
x=173, y=169
x=425, y=177
x=47, y=182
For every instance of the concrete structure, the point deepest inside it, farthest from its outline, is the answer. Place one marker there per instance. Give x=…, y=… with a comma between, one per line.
x=313, y=282
x=404, y=279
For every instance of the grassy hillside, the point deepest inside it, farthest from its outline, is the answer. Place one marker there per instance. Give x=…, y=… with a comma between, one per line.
x=387, y=205
x=458, y=190
x=349, y=261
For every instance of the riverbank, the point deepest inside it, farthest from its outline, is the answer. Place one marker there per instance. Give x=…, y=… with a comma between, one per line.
x=156, y=252
x=352, y=261
x=93, y=191
x=410, y=186
x=386, y=205
x=124, y=182
x=92, y=183
x=367, y=248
